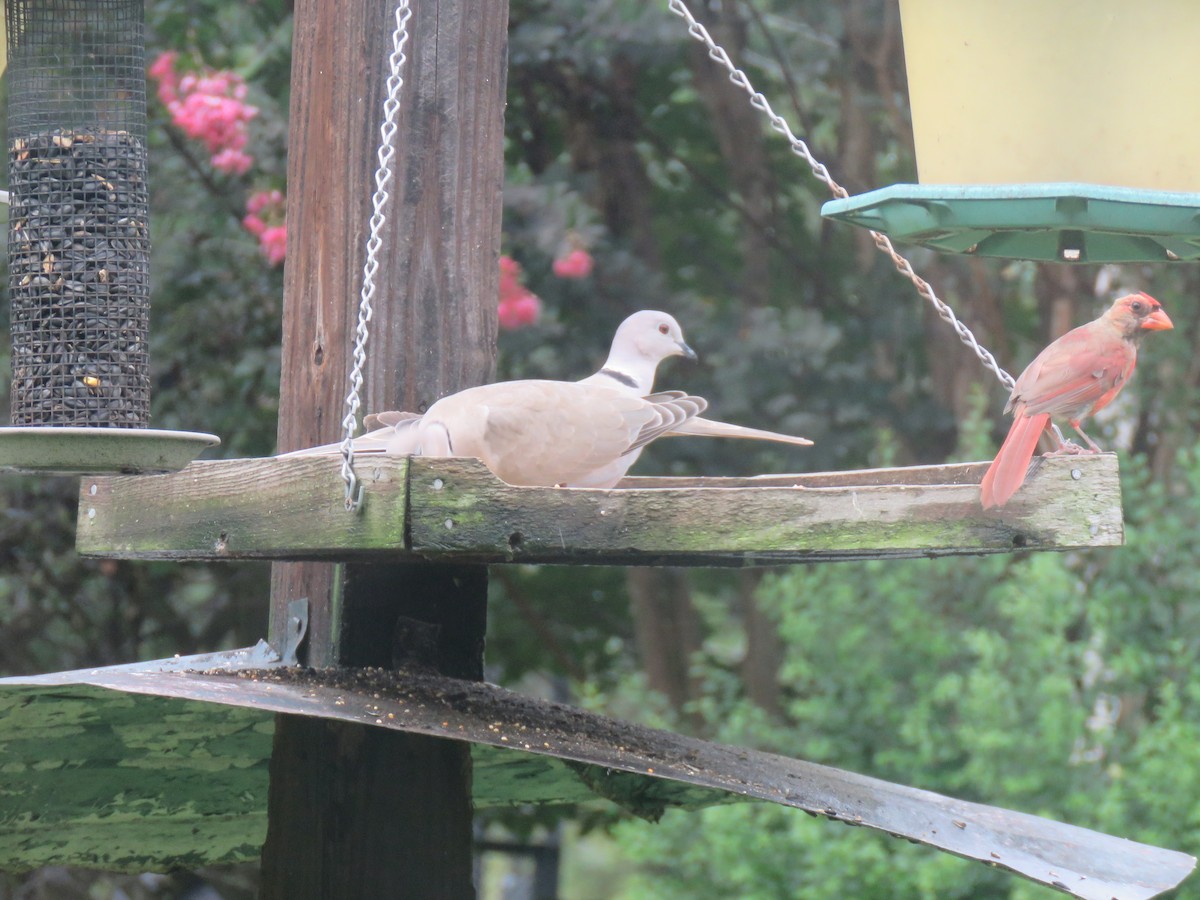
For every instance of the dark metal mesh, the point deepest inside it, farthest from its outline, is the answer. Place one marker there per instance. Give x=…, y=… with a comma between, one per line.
x=78, y=242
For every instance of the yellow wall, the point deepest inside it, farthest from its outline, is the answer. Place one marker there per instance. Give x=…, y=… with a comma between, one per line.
x=1017, y=91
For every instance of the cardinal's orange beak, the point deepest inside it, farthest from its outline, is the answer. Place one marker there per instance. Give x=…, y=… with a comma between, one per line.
x=1157, y=321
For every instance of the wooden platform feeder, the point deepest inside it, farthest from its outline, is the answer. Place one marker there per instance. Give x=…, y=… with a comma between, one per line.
x=456, y=510
x=1033, y=144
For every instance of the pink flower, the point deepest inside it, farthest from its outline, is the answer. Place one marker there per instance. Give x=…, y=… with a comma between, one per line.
x=509, y=267
x=273, y=244
x=164, y=66
x=233, y=161
x=576, y=264
x=517, y=312
x=518, y=305
x=217, y=120
x=260, y=200
x=162, y=70
x=254, y=225
x=208, y=106
x=510, y=278
x=264, y=219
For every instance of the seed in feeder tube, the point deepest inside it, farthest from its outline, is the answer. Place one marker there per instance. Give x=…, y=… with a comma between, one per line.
x=78, y=246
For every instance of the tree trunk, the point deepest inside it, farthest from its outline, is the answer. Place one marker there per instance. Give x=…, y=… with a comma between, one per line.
x=739, y=133
x=764, y=647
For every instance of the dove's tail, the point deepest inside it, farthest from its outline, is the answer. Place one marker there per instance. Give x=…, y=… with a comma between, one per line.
x=383, y=440
x=710, y=428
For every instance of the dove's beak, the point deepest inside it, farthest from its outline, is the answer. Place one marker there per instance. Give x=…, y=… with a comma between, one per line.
x=687, y=352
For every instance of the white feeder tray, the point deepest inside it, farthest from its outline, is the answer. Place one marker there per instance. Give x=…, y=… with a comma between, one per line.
x=70, y=450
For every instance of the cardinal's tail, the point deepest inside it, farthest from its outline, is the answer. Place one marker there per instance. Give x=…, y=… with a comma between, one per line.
x=1007, y=472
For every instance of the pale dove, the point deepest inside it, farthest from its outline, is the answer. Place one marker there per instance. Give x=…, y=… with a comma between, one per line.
x=548, y=432
x=535, y=432
x=543, y=420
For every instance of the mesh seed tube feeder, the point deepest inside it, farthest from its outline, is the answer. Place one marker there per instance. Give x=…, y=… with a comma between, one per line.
x=79, y=243
x=1060, y=130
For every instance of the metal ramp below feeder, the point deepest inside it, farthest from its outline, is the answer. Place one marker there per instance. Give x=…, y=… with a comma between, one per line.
x=455, y=509
x=163, y=764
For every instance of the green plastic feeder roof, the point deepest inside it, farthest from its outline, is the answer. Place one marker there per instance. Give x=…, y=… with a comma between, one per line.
x=1064, y=222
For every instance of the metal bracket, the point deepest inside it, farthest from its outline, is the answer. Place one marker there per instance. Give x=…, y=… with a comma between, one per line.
x=297, y=629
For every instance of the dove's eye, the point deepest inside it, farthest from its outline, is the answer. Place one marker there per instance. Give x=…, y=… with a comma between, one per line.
x=664, y=328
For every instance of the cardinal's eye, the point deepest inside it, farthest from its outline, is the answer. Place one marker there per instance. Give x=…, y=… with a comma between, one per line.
x=1138, y=307
x=664, y=328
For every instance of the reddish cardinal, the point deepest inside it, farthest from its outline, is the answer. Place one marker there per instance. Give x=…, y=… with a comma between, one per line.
x=1075, y=376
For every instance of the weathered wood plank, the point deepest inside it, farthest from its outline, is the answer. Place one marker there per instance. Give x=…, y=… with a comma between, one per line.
x=956, y=473
x=243, y=509
x=455, y=509
x=823, y=516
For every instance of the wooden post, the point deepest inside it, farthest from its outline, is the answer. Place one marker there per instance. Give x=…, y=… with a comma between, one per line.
x=357, y=811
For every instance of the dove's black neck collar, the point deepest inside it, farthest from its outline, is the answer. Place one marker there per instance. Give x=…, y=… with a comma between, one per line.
x=620, y=377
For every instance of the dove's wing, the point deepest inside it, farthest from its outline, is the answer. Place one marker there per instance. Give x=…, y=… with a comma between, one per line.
x=549, y=432
x=643, y=341
x=387, y=419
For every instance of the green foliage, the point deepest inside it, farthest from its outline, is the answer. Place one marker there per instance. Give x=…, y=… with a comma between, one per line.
x=214, y=353
x=215, y=316
x=767, y=852
x=1059, y=685
x=551, y=622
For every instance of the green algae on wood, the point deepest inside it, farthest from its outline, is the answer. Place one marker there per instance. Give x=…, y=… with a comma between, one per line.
x=450, y=509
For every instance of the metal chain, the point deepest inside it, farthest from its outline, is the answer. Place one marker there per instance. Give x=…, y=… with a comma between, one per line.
x=383, y=174
x=903, y=266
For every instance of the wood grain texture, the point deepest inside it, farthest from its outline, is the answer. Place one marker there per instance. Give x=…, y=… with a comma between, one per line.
x=334, y=831
x=247, y=508
x=456, y=510
x=434, y=319
x=337, y=92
